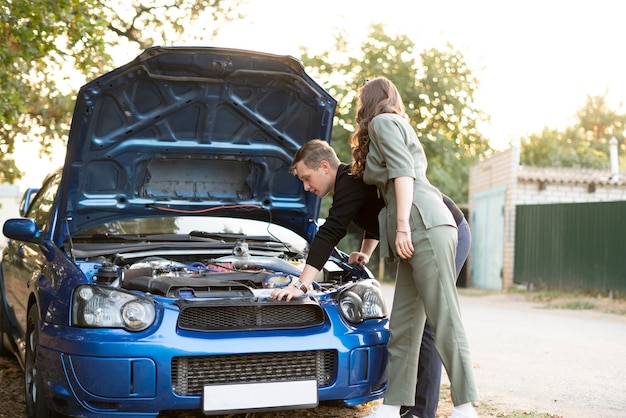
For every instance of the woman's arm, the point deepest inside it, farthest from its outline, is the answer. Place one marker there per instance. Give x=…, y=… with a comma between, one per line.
x=404, y=200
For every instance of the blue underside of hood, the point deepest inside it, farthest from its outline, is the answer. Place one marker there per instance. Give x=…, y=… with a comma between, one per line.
x=193, y=130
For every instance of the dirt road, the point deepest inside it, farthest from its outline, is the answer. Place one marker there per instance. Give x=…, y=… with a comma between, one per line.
x=569, y=363
x=565, y=362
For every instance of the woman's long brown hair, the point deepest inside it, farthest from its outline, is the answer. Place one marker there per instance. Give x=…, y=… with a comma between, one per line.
x=376, y=96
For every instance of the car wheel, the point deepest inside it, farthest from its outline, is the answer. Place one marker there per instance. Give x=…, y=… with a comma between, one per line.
x=4, y=331
x=36, y=406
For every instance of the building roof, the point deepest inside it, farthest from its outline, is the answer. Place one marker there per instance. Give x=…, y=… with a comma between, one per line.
x=569, y=175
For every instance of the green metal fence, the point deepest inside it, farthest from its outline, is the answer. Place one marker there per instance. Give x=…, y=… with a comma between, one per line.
x=572, y=245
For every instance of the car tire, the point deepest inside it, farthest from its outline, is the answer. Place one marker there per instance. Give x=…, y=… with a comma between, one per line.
x=36, y=406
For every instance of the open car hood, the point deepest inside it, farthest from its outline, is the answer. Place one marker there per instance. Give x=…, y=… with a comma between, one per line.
x=194, y=130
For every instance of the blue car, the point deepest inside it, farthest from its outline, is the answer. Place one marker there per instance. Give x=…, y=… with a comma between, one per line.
x=137, y=280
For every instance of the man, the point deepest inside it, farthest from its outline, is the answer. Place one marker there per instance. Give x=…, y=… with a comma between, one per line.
x=321, y=172
x=316, y=164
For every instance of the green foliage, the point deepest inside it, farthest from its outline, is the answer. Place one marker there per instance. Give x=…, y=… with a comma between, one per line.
x=438, y=92
x=8, y=171
x=164, y=22
x=446, y=118
x=47, y=45
x=37, y=39
x=585, y=144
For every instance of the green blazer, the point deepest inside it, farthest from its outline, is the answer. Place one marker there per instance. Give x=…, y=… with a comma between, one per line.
x=395, y=151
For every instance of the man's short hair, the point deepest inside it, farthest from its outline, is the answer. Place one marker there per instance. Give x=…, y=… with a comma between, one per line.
x=313, y=153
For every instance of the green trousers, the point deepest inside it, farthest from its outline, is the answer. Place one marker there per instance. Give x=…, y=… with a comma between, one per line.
x=426, y=288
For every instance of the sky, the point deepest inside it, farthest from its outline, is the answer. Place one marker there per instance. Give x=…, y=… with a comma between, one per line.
x=536, y=60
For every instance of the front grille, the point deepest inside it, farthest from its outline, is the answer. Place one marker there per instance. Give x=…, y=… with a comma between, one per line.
x=190, y=374
x=220, y=317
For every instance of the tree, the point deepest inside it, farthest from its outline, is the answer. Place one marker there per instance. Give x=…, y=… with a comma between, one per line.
x=36, y=39
x=163, y=22
x=438, y=94
x=46, y=45
x=447, y=119
x=585, y=144
x=439, y=97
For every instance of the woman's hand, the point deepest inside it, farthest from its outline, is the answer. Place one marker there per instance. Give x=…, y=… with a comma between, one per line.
x=404, y=244
x=288, y=293
x=358, y=259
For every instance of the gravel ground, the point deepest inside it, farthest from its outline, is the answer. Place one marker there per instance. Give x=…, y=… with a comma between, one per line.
x=11, y=388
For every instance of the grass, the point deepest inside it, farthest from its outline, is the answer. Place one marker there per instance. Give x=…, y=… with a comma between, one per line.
x=606, y=302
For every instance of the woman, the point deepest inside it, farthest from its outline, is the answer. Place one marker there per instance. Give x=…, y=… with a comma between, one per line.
x=416, y=227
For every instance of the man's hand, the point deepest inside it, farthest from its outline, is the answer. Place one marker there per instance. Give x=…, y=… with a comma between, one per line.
x=358, y=258
x=288, y=293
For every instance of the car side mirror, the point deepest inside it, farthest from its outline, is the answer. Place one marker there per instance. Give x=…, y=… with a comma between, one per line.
x=22, y=229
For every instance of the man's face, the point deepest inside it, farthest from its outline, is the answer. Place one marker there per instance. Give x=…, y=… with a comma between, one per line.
x=318, y=180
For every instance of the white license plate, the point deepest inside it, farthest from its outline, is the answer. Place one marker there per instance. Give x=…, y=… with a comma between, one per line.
x=258, y=396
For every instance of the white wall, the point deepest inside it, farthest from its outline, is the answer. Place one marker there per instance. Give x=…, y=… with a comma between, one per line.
x=10, y=197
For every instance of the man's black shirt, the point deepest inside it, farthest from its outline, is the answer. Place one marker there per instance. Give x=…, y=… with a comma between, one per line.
x=353, y=201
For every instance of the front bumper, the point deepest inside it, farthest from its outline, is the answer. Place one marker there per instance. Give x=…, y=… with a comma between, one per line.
x=103, y=372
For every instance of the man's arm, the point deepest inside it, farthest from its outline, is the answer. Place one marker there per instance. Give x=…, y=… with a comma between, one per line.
x=348, y=198
x=363, y=257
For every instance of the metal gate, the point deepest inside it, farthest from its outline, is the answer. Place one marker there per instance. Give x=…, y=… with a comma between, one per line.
x=488, y=239
x=571, y=245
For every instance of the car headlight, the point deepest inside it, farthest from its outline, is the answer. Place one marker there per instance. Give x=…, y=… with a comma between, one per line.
x=104, y=307
x=362, y=301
